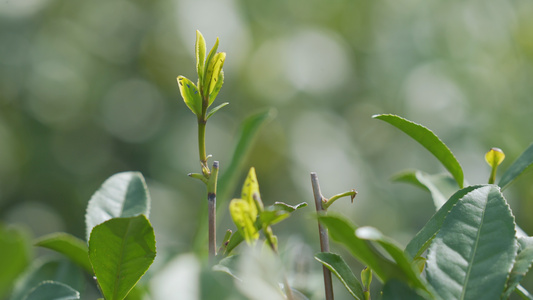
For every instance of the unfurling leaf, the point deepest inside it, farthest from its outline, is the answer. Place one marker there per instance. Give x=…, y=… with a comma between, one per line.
x=494, y=157
x=244, y=215
x=200, y=54
x=214, y=93
x=191, y=96
x=251, y=187
x=213, y=72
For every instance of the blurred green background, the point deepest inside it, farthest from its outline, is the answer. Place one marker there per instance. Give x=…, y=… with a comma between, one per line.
x=88, y=89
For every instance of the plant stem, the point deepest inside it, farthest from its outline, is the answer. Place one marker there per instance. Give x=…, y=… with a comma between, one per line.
x=201, y=145
x=323, y=233
x=212, y=210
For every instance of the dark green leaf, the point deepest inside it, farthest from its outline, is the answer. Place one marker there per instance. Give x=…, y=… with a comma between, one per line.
x=518, y=167
x=121, y=250
x=441, y=186
x=70, y=246
x=410, y=274
x=63, y=271
x=52, y=290
x=523, y=262
x=474, y=251
x=15, y=255
x=430, y=141
x=122, y=195
x=343, y=232
x=398, y=290
x=425, y=236
x=338, y=266
x=248, y=131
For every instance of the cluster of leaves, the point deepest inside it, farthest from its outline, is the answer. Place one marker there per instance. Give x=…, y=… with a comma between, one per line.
x=474, y=248
x=119, y=249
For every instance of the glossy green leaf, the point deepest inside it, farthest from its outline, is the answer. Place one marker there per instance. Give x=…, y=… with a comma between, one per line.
x=15, y=255
x=410, y=274
x=397, y=290
x=430, y=141
x=121, y=250
x=122, y=195
x=200, y=54
x=215, y=109
x=52, y=290
x=518, y=167
x=441, y=186
x=244, y=215
x=343, y=232
x=338, y=266
x=58, y=270
x=522, y=265
x=425, y=236
x=474, y=251
x=218, y=86
x=70, y=246
x=190, y=94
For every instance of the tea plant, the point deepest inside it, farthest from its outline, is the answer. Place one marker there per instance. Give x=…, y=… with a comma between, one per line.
x=474, y=248
x=471, y=248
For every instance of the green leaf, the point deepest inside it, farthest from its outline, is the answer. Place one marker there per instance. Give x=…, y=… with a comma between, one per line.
x=70, y=246
x=52, y=290
x=523, y=262
x=518, y=167
x=207, y=78
x=244, y=214
x=58, y=270
x=218, y=86
x=228, y=265
x=343, y=232
x=430, y=141
x=214, y=110
x=279, y=206
x=213, y=73
x=249, y=189
x=271, y=217
x=441, y=186
x=122, y=195
x=410, y=274
x=248, y=131
x=338, y=266
x=15, y=255
x=474, y=250
x=398, y=290
x=200, y=54
x=121, y=250
x=191, y=96
x=425, y=236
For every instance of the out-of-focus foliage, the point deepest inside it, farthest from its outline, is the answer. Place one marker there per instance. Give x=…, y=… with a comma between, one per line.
x=88, y=89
